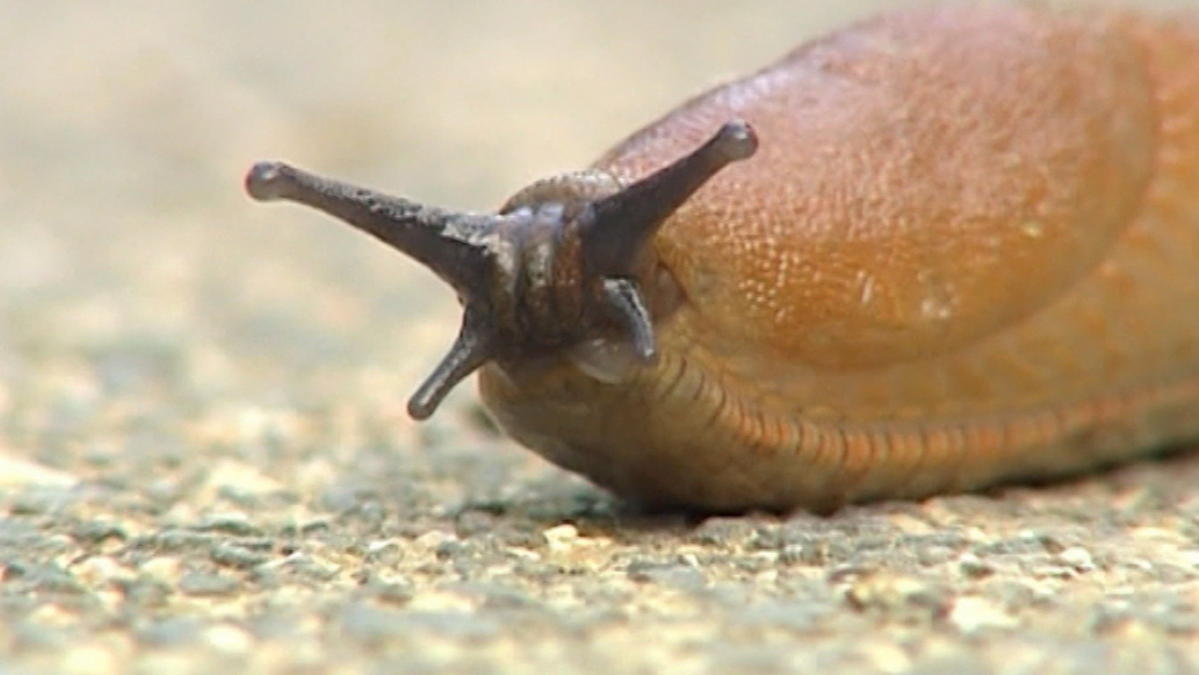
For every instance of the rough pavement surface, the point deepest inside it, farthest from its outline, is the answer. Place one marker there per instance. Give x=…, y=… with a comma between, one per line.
x=204, y=459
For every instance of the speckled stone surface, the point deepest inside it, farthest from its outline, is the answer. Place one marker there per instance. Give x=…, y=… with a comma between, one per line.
x=205, y=465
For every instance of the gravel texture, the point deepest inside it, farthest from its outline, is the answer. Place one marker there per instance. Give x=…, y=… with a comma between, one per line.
x=205, y=463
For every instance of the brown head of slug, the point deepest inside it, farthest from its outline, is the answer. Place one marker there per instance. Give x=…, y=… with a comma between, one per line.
x=561, y=264
x=957, y=257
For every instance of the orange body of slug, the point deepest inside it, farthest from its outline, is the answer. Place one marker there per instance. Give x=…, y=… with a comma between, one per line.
x=966, y=251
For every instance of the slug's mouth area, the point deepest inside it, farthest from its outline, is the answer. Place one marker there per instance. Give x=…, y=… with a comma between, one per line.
x=586, y=286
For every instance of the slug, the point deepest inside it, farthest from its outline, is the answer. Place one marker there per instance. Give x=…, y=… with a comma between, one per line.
x=943, y=248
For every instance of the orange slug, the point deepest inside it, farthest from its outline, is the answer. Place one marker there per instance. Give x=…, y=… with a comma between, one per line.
x=942, y=248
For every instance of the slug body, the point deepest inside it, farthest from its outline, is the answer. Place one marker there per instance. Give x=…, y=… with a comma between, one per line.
x=965, y=251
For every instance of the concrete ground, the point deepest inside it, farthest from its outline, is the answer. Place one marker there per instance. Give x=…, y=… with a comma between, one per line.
x=205, y=462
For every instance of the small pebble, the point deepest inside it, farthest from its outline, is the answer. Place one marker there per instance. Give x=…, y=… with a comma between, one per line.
x=973, y=614
x=99, y=570
x=972, y=566
x=89, y=659
x=1077, y=557
x=227, y=638
x=167, y=569
x=236, y=556
x=203, y=584
x=561, y=537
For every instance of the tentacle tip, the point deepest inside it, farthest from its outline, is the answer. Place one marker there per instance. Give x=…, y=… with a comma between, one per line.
x=264, y=180
x=737, y=140
x=470, y=351
x=421, y=409
x=647, y=353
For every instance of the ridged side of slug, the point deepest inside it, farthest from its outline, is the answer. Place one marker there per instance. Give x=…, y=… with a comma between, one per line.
x=966, y=252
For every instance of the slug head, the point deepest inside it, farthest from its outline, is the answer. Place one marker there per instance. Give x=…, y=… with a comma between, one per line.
x=554, y=268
